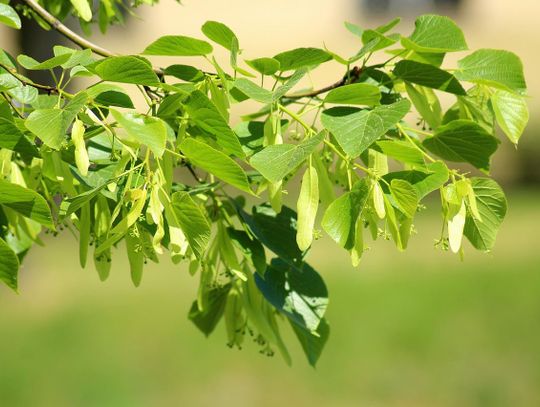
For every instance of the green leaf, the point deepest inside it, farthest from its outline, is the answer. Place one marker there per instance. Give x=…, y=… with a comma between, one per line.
x=340, y=218
x=265, y=66
x=313, y=342
x=251, y=136
x=114, y=234
x=51, y=125
x=178, y=45
x=70, y=205
x=108, y=94
x=276, y=231
x=83, y=9
x=114, y=98
x=355, y=94
x=277, y=161
x=185, y=72
x=475, y=108
x=491, y=204
x=297, y=292
x=146, y=130
x=261, y=314
x=354, y=29
x=511, y=112
x=7, y=60
x=13, y=139
x=355, y=129
x=253, y=90
x=192, y=221
x=388, y=26
x=215, y=162
x=94, y=91
x=250, y=247
x=374, y=41
x=435, y=59
x=9, y=16
x=429, y=76
x=435, y=34
x=207, y=319
x=501, y=69
x=289, y=84
x=401, y=151
x=82, y=57
x=206, y=116
x=219, y=33
x=25, y=94
x=26, y=202
x=463, y=141
x=31, y=64
x=308, y=202
x=301, y=57
x=9, y=262
x=434, y=177
x=127, y=69
x=426, y=103
x=8, y=81
x=405, y=196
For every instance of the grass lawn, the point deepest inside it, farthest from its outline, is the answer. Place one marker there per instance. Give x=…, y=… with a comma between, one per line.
x=419, y=328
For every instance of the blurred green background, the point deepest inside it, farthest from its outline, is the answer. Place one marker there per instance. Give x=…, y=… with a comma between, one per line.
x=418, y=329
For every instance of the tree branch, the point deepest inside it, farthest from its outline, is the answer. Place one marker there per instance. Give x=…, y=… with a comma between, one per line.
x=70, y=34
x=25, y=81
x=65, y=31
x=351, y=77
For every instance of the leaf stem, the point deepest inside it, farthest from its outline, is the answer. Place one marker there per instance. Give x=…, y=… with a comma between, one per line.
x=422, y=132
x=296, y=117
x=410, y=140
x=335, y=150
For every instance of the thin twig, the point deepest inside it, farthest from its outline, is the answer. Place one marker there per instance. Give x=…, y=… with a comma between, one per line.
x=25, y=81
x=193, y=173
x=66, y=32
x=350, y=77
x=71, y=35
x=12, y=105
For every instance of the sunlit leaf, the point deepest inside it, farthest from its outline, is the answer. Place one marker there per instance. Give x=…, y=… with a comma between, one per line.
x=178, y=45
x=356, y=129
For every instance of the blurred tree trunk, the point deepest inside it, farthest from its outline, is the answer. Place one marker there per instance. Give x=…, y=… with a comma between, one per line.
x=382, y=6
x=36, y=42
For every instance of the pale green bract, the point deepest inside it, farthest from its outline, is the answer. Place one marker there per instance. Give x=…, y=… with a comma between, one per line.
x=83, y=9
x=169, y=175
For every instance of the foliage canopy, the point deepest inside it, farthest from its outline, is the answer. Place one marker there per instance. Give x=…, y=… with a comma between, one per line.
x=174, y=175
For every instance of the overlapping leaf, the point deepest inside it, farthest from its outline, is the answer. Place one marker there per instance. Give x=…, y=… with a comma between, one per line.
x=355, y=129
